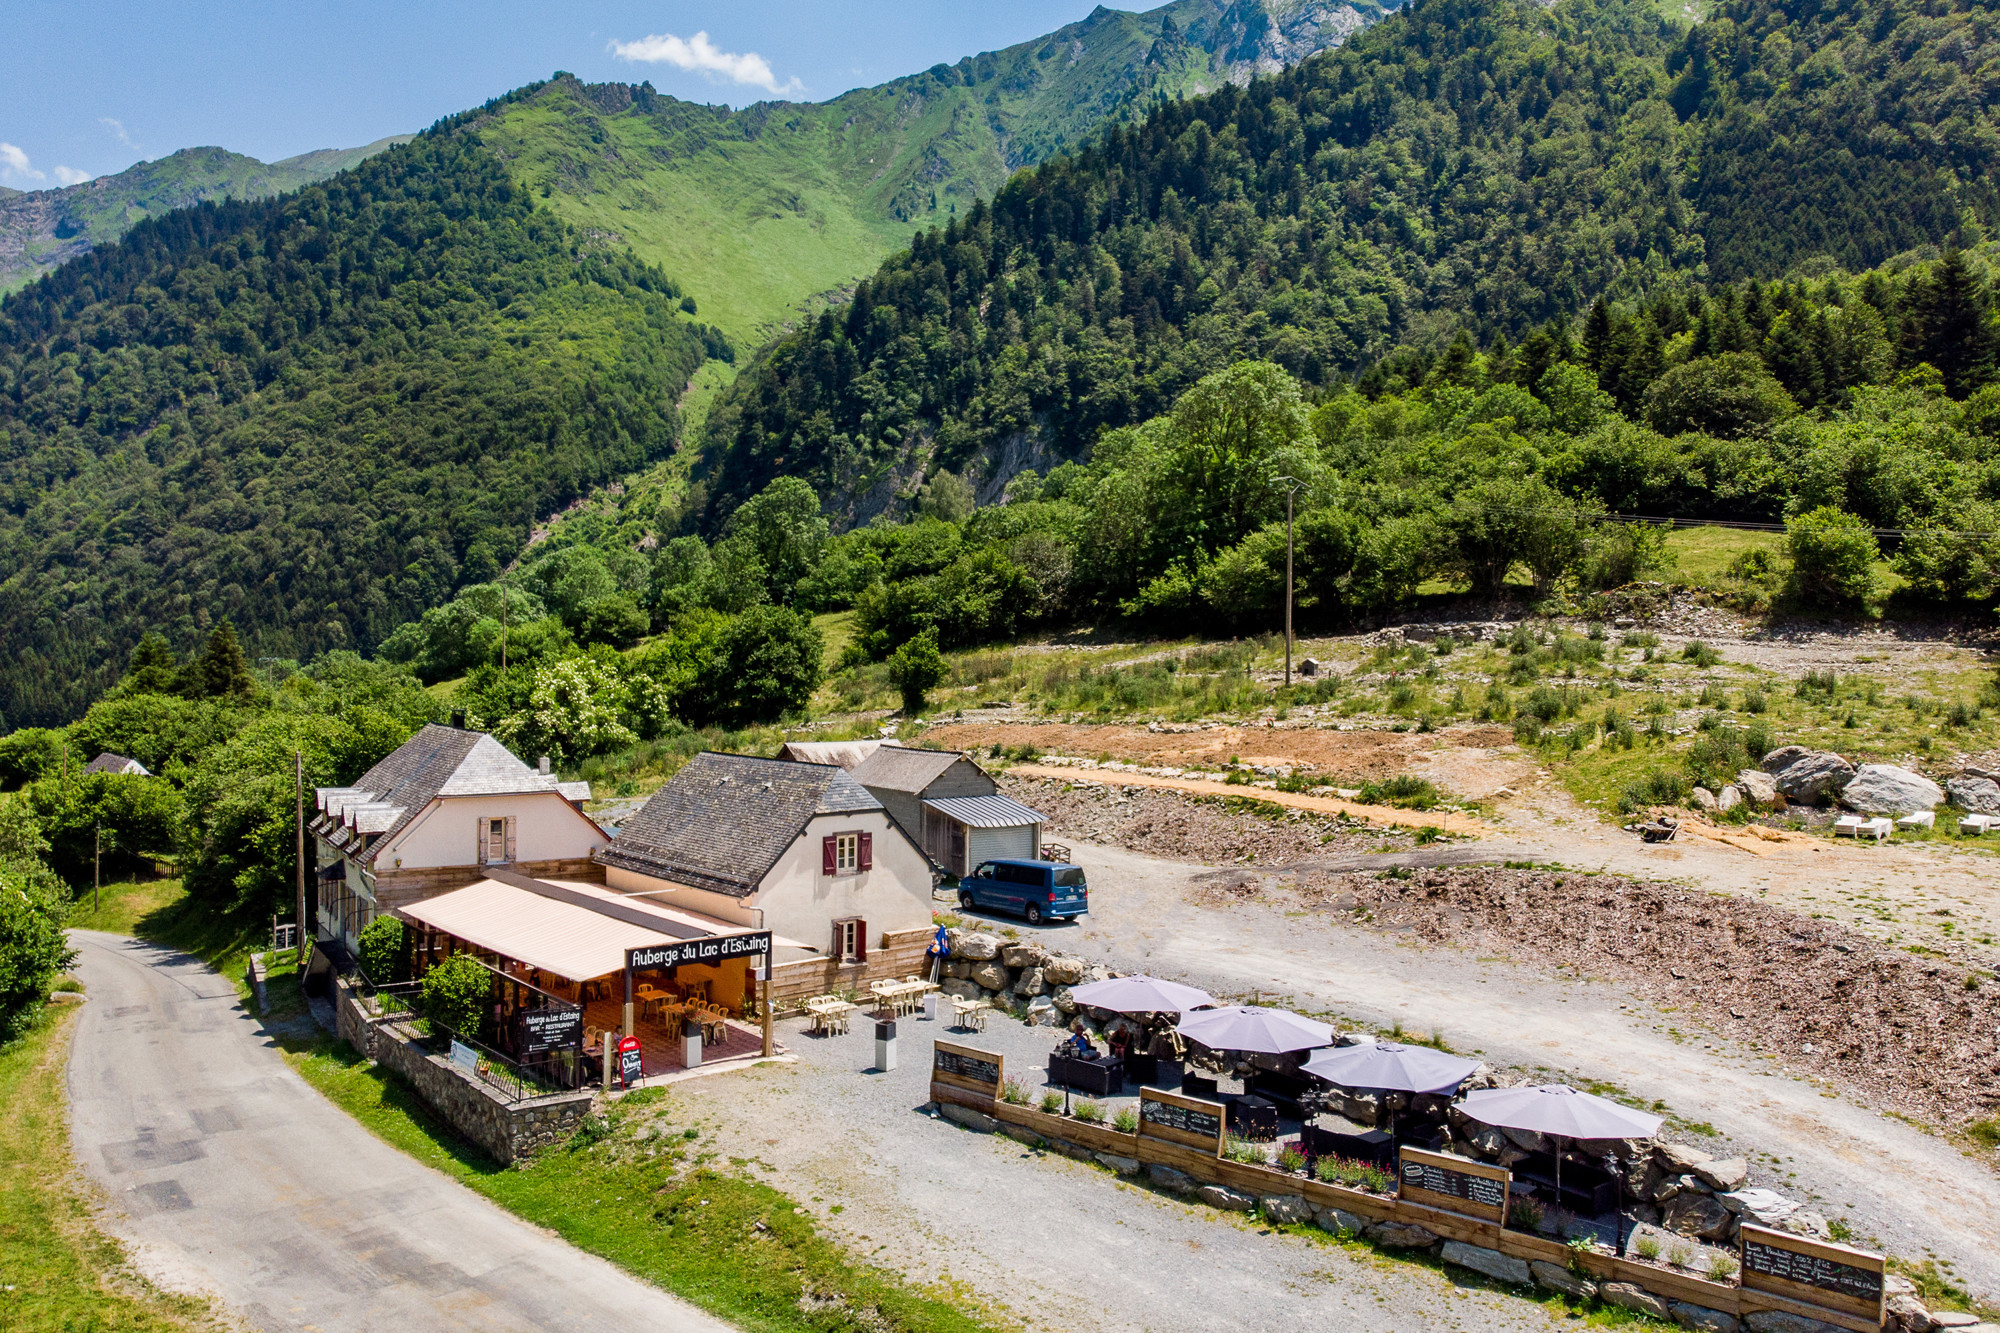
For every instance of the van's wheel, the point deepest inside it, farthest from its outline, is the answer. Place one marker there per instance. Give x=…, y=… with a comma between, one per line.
x=965, y=899
x=1034, y=914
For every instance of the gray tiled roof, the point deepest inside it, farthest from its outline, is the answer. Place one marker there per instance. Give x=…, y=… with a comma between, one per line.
x=725, y=819
x=904, y=770
x=437, y=761
x=116, y=763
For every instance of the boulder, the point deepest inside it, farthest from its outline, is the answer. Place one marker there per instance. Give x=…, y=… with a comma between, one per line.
x=1885, y=789
x=1804, y=1223
x=1124, y=1166
x=1399, y=1235
x=1097, y=972
x=1784, y=1321
x=989, y=976
x=1703, y=799
x=1528, y=1139
x=1908, y=1311
x=1023, y=955
x=1504, y=1267
x=1633, y=1297
x=1975, y=796
x=1813, y=776
x=1700, y=1215
x=963, y=989
x=971, y=946
x=1679, y=1158
x=1954, y=1319
x=958, y=970
x=1689, y=1315
x=1064, y=970
x=1341, y=1222
x=1286, y=1209
x=1725, y=1175
x=1064, y=1001
x=1222, y=1196
x=1022, y=1135
x=1030, y=983
x=1759, y=788
x=1557, y=1278
x=965, y=1115
x=1042, y=1012
x=1728, y=798
x=1783, y=757
x=1179, y=1182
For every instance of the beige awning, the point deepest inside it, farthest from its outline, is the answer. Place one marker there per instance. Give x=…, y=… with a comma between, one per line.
x=574, y=930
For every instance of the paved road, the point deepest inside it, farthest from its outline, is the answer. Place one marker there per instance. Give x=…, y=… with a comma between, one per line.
x=240, y=1180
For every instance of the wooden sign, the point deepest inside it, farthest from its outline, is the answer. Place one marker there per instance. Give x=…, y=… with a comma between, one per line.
x=1184, y=1120
x=964, y=1067
x=1456, y=1184
x=709, y=949
x=1816, y=1271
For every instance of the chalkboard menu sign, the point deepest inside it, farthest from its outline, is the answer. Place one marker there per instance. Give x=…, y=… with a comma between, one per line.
x=966, y=1068
x=1456, y=1183
x=1813, y=1270
x=1166, y=1115
x=550, y=1030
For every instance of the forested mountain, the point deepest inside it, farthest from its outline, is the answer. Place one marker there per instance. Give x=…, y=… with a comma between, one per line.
x=315, y=415
x=1484, y=164
x=44, y=228
x=754, y=211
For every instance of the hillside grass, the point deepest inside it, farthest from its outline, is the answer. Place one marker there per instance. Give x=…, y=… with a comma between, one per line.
x=159, y=910
x=59, y=1272
x=664, y=1210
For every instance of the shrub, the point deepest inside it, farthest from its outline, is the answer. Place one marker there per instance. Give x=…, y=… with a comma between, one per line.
x=384, y=951
x=1700, y=654
x=1291, y=1159
x=1013, y=1093
x=1833, y=557
x=1755, y=701
x=1657, y=787
x=1354, y=1175
x=1525, y=1213
x=1527, y=729
x=1721, y=1268
x=1126, y=1121
x=1678, y=1256
x=1647, y=1247
x=1051, y=1102
x=456, y=994
x=915, y=669
x=1405, y=790
x=1242, y=1150
x=1090, y=1112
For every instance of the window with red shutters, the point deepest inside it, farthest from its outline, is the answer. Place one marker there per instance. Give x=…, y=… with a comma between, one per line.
x=826, y=855
x=867, y=850
x=861, y=938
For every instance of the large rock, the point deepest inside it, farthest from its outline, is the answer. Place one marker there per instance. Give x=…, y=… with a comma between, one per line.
x=1065, y=1002
x=1042, y=1012
x=1557, y=1278
x=1180, y=1182
x=972, y=946
x=1700, y=1215
x=1680, y=1158
x=1908, y=1311
x=1784, y=1321
x=1813, y=776
x=1527, y=1139
x=1064, y=970
x=1286, y=1209
x=1124, y=1166
x=1783, y=757
x=1807, y=1223
x=989, y=976
x=1689, y=1315
x=965, y=1115
x=1729, y=798
x=1704, y=799
x=962, y=988
x=1725, y=1175
x=1975, y=796
x=1399, y=1235
x=1633, y=1298
x=1222, y=1196
x=1759, y=788
x=1341, y=1222
x=1885, y=789
x=1023, y=955
x=1031, y=982
x=1494, y=1264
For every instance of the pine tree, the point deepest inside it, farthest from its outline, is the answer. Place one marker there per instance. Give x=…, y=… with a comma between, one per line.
x=1946, y=322
x=153, y=668
x=221, y=671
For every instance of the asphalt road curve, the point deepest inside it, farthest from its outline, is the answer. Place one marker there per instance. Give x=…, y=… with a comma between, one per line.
x=237, y=1179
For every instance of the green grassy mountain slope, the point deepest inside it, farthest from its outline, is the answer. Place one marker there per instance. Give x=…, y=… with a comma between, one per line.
x=756, y=211
x=1490, y=164
x=314, y=415
x=41, y=229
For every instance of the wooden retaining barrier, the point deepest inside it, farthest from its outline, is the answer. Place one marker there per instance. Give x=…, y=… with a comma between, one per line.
x=1784, y=1277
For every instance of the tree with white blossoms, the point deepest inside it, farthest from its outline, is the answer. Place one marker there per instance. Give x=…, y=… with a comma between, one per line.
x=574, y=711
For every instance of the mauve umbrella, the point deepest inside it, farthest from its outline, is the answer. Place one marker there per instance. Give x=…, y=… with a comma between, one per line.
x=1390, y=1066
x=1245, y=1027
x=1561, y=1111
x=1140, y=995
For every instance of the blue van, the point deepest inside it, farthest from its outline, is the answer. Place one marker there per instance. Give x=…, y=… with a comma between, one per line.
x=1034, y=889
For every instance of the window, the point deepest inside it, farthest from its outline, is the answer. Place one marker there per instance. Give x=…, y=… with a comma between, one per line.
x=1071, y=878
x=846, y=853
x=496, y=840
x=850, y=940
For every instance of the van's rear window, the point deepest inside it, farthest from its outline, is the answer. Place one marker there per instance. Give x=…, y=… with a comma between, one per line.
x=1070, y=878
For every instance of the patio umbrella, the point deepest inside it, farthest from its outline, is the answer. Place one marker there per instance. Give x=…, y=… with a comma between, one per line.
x=1140, y=995
x=1562, y=1112
x=1390, y=1066
x=1250, y=1028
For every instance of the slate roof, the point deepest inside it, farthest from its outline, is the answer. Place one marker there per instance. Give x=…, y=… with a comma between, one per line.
x=436, y=762
x=846, y=754
x=985, y=811
x=904, y=770
x=725, y=819
x=116, y=763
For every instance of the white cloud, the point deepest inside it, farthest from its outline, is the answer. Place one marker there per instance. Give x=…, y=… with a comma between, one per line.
x=71, y=176
x=14, y=162
x=698, y=53
x=117, y=127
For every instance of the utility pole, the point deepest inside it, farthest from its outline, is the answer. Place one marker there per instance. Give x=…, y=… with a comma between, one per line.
x=503, y=629
x=299, y=834
x=1291, y=485
x=96, y=855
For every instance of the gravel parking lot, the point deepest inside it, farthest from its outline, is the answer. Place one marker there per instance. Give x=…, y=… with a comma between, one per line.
x=1057, y=1243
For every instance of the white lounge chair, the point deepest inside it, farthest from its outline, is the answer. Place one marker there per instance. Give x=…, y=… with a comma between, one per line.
x=1879, y=829
x=1847, y=826
x=1921, y=819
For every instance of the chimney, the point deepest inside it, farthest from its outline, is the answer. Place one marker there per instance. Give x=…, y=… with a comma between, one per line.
x=458, y=719
x=543, y=765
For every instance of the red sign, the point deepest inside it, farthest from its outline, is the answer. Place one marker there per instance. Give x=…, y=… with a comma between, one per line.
x=631, y=1068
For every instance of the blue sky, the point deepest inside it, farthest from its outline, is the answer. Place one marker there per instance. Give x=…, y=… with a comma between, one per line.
x=89, y=88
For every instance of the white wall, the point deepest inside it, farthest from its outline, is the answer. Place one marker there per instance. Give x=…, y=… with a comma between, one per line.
x=708, y=903
x=894, y=894
x=547, y=828
x=988, y=844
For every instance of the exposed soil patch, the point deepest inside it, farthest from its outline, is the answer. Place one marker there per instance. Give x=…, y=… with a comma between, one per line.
x=1901, y=1028
x=1337, y=754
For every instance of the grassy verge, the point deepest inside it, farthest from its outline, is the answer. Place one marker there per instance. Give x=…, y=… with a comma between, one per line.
x=656, y=1207
x=160, y=910
x=57, y=1270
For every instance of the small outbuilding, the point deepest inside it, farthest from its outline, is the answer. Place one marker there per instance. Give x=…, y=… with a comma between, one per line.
x=118, y=764
x=951, y=806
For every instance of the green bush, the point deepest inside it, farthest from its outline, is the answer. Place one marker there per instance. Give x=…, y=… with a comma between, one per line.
x=384, y=949
x=1833, y=557
x=916, y=669
x=1725, y=396
x=1405, y=790
x=456, y=995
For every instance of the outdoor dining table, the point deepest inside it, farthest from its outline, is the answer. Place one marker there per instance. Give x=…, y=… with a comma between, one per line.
x=828, y=1013
x=969, y=1013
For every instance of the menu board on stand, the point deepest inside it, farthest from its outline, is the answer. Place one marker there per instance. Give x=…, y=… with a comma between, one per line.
x=967, y=1069
x=1188, y=1121
x=1456, y=1184
x=1817, y=1272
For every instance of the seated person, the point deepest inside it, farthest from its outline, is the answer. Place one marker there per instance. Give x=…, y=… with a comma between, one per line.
x=1079, y=1044
x=1120, y=1041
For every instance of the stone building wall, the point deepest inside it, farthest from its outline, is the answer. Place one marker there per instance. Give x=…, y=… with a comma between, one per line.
x=509, y=1131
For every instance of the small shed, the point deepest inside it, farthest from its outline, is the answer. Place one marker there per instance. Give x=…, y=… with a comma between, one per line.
x=951, y=806
x=119, y=764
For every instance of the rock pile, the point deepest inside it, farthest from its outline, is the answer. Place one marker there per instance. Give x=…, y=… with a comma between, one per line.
x=1015, y=975
x=1795, y=773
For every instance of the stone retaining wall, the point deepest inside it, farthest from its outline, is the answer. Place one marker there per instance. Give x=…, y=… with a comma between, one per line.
x=509, y=1131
